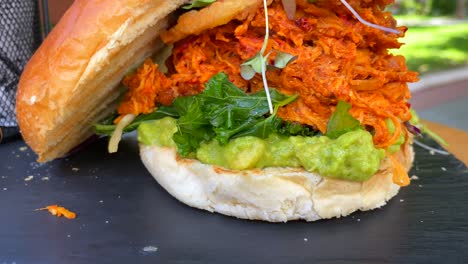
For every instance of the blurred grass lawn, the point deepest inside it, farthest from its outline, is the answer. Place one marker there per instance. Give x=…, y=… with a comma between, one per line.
x=435, y=48
x=413, y=18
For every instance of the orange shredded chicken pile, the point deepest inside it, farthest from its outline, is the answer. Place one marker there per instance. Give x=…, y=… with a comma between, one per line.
x=339, y=58
x=59, y=211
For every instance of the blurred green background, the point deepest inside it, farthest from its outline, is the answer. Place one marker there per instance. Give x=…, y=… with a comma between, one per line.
x=436, y=46
x=437, y=38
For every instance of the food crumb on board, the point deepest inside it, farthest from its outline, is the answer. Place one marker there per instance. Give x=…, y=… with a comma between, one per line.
x=101, y=201
x=432, y=152
x=23, y=148
x=35, y=165
x=30, y=177
x=414, y=177
x=68, y=235
x=402, y=200
x=420, y=186
x=443, y=168
x=75, y=169
x=5, y=189
x=150, y=249
x=58, y=211
x=45, y=178
x=107, y=221
x=359, y=219
x=305, y=239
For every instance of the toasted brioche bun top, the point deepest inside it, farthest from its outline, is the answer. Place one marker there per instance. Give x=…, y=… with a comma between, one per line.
x=72, y=79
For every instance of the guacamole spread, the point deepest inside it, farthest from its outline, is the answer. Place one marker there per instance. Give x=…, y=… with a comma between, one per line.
x=352, y=156
x=397, y=145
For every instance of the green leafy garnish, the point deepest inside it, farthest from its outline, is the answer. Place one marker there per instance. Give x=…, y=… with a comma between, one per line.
x=198, y=4
x=106, y=127
x=341, y=121
x=193, y=126
x=226, y=105
x=222, y=112
x=296, y=129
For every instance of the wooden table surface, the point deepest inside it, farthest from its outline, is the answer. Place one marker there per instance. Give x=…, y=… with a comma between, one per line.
x=456, y=138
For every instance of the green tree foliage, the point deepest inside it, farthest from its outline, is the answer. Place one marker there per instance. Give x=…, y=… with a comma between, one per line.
x=431, y=7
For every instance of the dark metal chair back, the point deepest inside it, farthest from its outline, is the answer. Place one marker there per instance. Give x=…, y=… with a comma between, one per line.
x=23, y=25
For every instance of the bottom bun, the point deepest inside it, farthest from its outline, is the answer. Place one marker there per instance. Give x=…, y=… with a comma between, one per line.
x=271, y=194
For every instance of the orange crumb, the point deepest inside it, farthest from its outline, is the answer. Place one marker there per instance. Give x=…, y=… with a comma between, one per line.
x=59, y=211
x=400, y=176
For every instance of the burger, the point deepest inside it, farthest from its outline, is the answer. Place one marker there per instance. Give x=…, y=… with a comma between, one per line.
x=265, y=110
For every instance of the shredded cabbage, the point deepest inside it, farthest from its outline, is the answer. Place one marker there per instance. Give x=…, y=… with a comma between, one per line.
x=117, y=135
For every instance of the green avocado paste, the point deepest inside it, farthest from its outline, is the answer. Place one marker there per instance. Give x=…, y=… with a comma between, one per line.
x=352, y=156
x=397, y=145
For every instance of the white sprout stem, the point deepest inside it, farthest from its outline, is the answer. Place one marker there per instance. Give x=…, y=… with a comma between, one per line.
x=438, y=151
x=267, y=29
x=262, y=51
x=265, y=85
x=350, y=8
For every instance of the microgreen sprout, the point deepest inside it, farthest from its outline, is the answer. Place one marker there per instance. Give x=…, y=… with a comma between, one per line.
x=259, y=62
x=351, y=9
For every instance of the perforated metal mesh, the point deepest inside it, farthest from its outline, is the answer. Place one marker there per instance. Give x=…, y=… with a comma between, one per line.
x=19, y=36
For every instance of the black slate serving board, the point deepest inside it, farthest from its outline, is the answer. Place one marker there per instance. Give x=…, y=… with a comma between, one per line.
x=124, y=216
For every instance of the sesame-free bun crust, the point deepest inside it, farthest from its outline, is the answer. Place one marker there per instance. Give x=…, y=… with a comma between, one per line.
x=271, y=194
x=72, y=79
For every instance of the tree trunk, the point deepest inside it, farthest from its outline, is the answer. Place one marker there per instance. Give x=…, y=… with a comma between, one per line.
x=460, y=11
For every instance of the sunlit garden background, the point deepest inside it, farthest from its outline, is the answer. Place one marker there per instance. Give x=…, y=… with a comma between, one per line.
x=437, y=38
